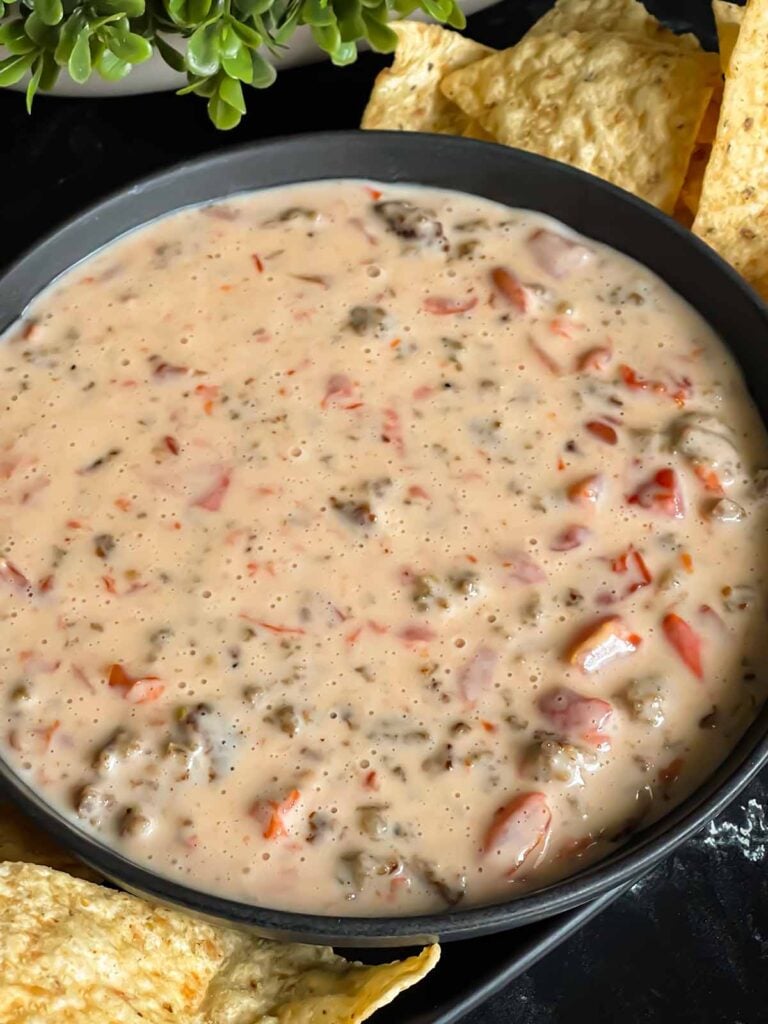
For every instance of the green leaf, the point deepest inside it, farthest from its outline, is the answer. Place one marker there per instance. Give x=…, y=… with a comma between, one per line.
x=231, y=92
x=69, y=35
x=13, y=68
x=34, y=83
x=43, y=35
x=327, y=37
x=129, y=8
x=178, y=12
x=437, y=9
x=50, y=12
x=203, y=50
x=380, y=36
x=345, y=54
x=248, y=35
x=404, y=8
x=111, y=67
x=317, y=13
x=251, y=7
x=229, y=41
x=263, y=72
x=240, y=66
x=349, y=18
x=129, y=47
x=50, y=72
x=79, y=63
x=222, y=115
x=198, y=11
x=2, y=9
x=96, y=24
x=200, y=86
x=457, y=18
x=15, y=39
x=172, y=57
x=287, y=28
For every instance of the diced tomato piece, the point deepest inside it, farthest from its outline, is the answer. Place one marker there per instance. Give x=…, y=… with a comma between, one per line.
x=587, y=491
x=596, y=358
x=571, y=537
x=211, y=499
x=602, y=431
x=392, y=430
x=523, y=568
x=709, y=479
x=556, y=255
x=417, y=634
x=577, y=717
x=511, y=288
x=339, y=386
x=272, y=814
x=632, y=561
x=685, y=640
x=440, y=306
x=662, y=493
x=602, y=643
x=136, y=689
x=545, y=358
x=477, y=674
x=518, y=829
x=11, y=574
x=636, y=383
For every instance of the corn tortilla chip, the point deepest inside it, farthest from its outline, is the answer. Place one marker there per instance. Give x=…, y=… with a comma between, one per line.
x=690, y=193
x=475, y=130
x=72, y=952
x=627, y=17
x=733, y=211
x=728, y=19
x=622, y=110
x=407, y=96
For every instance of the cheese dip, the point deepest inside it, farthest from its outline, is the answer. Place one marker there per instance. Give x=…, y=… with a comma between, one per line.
x=373, y=549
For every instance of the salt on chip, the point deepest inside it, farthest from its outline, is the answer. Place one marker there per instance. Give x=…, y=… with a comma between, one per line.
x=72, y=952
x=619, y=109
x=728, y=19
x=626, y=17
x=407, y=96
x=733, y=211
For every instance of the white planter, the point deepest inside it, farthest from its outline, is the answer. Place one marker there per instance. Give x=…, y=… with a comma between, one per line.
x=154, y=75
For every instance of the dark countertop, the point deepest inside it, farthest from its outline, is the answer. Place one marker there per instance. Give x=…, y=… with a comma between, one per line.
x=690, y=944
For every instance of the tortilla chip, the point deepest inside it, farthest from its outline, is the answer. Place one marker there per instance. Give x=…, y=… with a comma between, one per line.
x=76, y=953
x=733, y=211
x=406, y=96
x=622, y=110
x=728, y=19
x=708, y=126
x=690, y=193
x=21, y=839
x=307, y=985
x=627, y=17
x=475, y=130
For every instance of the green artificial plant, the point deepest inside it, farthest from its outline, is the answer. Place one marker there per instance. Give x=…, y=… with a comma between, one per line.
x=225, y=39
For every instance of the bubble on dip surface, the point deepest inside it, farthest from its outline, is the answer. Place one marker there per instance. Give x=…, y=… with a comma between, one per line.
x=372, y=549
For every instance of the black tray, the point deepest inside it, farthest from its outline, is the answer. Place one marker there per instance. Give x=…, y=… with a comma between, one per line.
x=473, y=970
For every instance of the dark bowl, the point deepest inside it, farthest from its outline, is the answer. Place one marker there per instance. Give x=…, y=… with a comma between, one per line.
x=507, y=176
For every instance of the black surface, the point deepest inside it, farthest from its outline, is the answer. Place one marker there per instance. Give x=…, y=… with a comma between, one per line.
x=586, y=204
x=692, y=944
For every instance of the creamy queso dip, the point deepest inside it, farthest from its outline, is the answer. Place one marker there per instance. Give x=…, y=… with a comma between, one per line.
x=372, y=549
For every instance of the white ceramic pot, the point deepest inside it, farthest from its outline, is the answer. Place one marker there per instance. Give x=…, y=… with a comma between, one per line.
x=154, y=75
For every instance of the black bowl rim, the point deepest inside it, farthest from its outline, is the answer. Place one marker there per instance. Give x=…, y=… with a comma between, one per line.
x=642, y=852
